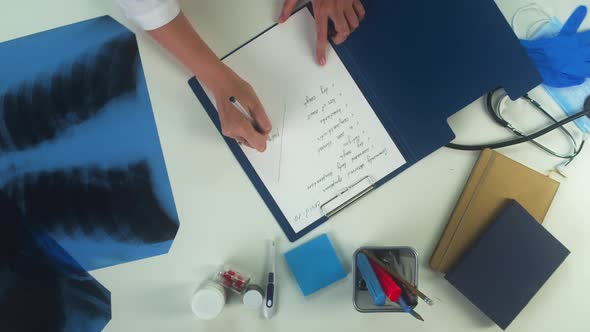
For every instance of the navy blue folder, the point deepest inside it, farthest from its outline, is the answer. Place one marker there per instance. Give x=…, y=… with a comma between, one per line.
x=508, y=265
x=417, y=63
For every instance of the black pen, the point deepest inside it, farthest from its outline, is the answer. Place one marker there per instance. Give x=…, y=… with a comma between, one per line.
x=242, y=110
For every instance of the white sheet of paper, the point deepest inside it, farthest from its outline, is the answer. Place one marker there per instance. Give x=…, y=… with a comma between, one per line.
x=325, y=134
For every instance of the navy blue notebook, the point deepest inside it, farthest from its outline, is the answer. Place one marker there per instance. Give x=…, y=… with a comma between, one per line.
x=417, y=63
x=508, y=265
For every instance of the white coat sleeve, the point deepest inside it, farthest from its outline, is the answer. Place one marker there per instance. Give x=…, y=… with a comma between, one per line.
x=150, y=14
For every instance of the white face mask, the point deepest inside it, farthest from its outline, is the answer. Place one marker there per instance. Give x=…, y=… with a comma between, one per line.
x=548, y=29
x=571, y=100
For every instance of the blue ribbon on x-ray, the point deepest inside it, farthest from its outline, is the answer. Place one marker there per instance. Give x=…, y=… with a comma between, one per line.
x=563, y=60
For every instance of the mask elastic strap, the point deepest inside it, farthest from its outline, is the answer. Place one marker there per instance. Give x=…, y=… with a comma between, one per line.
x=532, y=7
x=538, y=25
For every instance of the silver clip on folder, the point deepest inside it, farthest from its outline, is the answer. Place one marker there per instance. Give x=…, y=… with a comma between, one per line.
x=348, y=196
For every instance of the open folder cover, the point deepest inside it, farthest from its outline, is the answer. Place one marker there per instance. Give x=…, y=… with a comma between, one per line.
x=413, y=80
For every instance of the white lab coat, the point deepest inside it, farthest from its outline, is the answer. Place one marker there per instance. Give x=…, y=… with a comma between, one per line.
x=150, y=14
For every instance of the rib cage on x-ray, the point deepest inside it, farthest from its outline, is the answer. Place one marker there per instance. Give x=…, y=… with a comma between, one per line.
x=118, y=201
x=42, y=288
x=38, y=111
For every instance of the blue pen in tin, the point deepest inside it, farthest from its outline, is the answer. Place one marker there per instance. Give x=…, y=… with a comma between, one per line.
x=373, y=285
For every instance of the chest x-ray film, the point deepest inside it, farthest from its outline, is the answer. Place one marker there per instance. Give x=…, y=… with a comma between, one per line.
x=79, y=149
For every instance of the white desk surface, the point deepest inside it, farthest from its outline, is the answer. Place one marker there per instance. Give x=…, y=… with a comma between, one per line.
x=224, y=220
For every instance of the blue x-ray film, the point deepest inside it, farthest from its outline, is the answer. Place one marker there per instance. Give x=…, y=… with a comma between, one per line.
x=42, y=288
x=79, y=148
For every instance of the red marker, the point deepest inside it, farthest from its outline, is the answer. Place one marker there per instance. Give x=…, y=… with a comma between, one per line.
x=390, y=287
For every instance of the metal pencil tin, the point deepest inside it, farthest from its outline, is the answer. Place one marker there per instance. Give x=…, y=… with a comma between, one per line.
x=407, y=257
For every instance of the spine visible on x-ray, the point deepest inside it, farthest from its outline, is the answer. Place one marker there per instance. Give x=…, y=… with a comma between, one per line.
x=33, y=280
x=38, y=110
x=119, y=202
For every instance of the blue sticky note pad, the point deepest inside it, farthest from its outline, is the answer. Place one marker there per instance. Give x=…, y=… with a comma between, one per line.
x=315, y=265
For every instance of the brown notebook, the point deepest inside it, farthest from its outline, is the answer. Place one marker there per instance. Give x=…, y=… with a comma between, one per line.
x=494, y=180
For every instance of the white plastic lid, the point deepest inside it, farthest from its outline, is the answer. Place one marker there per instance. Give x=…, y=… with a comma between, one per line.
x=252, y=299
x=208, y=302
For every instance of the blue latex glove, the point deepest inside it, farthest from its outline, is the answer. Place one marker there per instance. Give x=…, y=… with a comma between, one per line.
x=574, y=22
x=563, y=60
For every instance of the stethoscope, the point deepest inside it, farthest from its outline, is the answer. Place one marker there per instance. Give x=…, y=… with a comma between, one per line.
x=496, y=111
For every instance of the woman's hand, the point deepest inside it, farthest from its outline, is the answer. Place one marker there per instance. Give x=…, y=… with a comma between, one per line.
x=233, y=123
x=186, y=45
x=346, y=15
